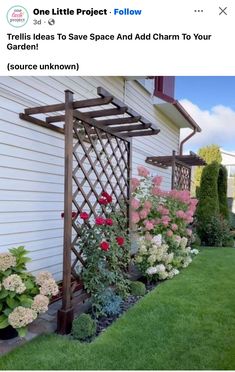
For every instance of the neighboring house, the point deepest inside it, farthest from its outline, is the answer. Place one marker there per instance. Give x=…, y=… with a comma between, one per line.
x=32, y=157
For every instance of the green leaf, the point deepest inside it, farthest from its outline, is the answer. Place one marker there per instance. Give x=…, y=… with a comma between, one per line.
x=3, y=321
x=29, y=284
x=1, y=306
x=12, y=303
x=22, y=331
x=3, y=294
x=25, y=301
x=7, y=312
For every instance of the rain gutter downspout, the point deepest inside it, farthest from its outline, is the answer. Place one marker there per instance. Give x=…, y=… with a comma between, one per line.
x=186, y=139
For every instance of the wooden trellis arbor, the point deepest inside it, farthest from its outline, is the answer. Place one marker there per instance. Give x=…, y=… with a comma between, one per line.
x=181, y=167
x=97, y=159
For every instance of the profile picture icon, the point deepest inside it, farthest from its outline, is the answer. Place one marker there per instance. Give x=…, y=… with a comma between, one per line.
x=17, y=16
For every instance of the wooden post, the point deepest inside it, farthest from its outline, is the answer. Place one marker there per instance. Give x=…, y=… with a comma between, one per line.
x=65, y=314
x=129, y=176
x=173, y=171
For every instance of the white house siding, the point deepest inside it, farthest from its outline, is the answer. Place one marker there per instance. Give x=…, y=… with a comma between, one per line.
x=32, y=160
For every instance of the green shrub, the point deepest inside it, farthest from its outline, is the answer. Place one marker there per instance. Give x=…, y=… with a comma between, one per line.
x=195, y=241
x=208, y=205
x=222, y=192
x=218, y=233
x=209, y=154
x=137, y=288
x=84, y=327
x=111, y=303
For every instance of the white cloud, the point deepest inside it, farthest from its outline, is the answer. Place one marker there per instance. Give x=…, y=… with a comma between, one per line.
x=218, y=126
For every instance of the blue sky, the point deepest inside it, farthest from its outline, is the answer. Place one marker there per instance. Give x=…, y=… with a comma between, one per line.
x=206, y=91
x=211, y=102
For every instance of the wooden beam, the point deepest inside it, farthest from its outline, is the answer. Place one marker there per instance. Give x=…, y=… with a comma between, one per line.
x=120, y=121
x=108, y=112
x=44, y=109
x=41, y=123
x=95, y=123
x=55, y=119
x=141, y=133
x=76, y=104
x=93, y=102
x=129, y=128
x=104, y=93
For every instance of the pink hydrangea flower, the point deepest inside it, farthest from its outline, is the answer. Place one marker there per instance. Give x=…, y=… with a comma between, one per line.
x=143, y=213
x=135, y=203
x=174, y=227
x=189, y=232
x=157, y=180
x=134, y=184
x=148, y=236
x=156, y=191
x=169, y=233
x=142, y=171
x=147, y=204
x=135, y=217
x=180, y=214
x=149, y=225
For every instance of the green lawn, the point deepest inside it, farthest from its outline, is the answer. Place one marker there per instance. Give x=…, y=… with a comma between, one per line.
x=185, y=323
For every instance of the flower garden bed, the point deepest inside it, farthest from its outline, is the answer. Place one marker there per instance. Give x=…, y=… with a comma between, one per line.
x=161, y=221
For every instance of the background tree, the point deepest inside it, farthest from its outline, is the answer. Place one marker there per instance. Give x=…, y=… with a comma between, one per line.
x=208, y=204
x=222, y=192
x=209, y=154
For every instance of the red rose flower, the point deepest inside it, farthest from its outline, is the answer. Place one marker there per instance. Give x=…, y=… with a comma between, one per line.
x=100, y=221
x=103, y=201
x=107, y=196
x=74, y=215
x=84, y=216
x=104, y=246
x=109, y=222
x=120, y=240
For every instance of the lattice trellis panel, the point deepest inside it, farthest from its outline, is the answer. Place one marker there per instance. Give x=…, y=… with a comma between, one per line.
x=182, y=177
x=100, y=163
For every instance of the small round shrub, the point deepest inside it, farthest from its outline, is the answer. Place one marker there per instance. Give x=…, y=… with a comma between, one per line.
x=137, y=288
x=111, y=303
x=84, y=327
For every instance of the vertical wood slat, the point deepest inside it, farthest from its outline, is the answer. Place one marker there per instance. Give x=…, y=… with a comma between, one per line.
x=65, y=314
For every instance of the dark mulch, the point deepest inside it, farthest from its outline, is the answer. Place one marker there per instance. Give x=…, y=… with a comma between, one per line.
x=104, y=322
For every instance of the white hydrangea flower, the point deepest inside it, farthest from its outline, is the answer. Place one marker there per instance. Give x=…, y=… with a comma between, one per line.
x=172, y=273
x=21, y=317
x=187, y=261
x=163, y=275
x=168, y=258
x=177, y=240
x=160, y=268
x=40, y=303
x=151, y=270
x=7, y=260
x=42, y=277
x=14, y=283
x=157, y=239
x=139, y=259
x=183, y=242
x=49, y=288
x=188, y=250
x=152, y=259
x=142, y=250
x=195, y=251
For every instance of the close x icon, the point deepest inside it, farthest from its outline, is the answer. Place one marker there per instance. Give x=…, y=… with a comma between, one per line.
x=223, y=10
